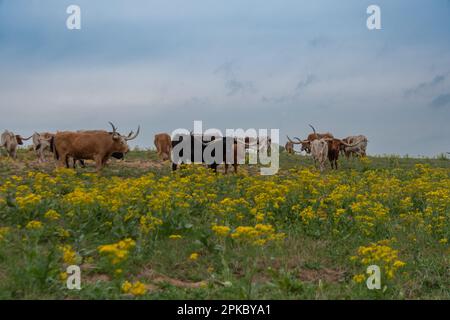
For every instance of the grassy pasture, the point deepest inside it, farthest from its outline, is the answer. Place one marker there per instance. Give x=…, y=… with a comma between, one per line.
x=139, y=231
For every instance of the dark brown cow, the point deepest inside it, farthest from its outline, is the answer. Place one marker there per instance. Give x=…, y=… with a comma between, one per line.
x=231, y=147
x=91, y=145
x=163, y=145
x=334, y=148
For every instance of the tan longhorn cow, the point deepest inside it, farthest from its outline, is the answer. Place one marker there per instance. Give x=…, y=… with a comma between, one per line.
x=11, y=141
x=319, y=152
x=41, y=142
x=358, y=148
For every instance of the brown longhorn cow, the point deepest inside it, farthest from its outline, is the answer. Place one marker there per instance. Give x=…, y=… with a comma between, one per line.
x=289, y=147
x=334, y=148
x=94, y=145
x=163, y=144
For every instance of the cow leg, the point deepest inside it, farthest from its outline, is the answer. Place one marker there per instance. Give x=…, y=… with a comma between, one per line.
x=66, y=159
x=174, y=166
x=63, y=161
x=98, y=163
x=235, y=165
x=226, y=168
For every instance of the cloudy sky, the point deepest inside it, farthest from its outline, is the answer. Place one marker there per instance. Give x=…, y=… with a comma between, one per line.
x=233, y=64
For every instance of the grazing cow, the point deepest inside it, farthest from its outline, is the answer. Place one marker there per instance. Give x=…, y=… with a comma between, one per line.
x=289, y=147
x=232, y=150
x=358, y=148
x=94, y=145
x=306, y=144
x=319, y=152
x=10, y=142
x=41, y=142
x=163, y=145
x=334, y=148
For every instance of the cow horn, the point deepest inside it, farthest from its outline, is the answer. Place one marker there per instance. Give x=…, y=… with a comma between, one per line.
x=113, y=127
x=292, y=141
x=301, y=141
x=313, y=129
x=348, y=145
x=133, y=136
x=26, y=138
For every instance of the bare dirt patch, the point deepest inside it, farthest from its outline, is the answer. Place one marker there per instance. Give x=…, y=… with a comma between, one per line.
x=158, y=278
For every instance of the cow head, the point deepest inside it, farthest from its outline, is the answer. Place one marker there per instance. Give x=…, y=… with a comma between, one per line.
x=306, y=144
x=19, y=139
x=120, y=141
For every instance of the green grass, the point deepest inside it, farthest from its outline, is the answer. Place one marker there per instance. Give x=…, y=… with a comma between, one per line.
x=312, y=262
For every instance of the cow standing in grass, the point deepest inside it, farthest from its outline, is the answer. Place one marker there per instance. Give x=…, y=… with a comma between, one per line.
x=41, y=142
x=10, y=142
x=94, y=145
x=334, y=148
x=289, y=147
x=163, y=144
x=358, y=148
x=190, y=148
x=319, y=152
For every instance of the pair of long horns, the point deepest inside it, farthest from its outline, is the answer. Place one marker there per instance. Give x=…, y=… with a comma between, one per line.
x=341, y=142
x=130, y=136
x=299, y=141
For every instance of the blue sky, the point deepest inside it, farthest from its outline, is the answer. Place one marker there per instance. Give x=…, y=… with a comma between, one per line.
x=233, y=64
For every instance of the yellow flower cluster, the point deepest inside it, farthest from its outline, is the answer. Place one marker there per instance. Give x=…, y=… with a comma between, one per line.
x=381, y=254
x=117, y=252
x=259, y=235
x=222, y=231
x=34, y=224
x=136, y=289
x=149, y=223
x=28, y=200
x=69, y=255
x=52, y=215
x=193, y=256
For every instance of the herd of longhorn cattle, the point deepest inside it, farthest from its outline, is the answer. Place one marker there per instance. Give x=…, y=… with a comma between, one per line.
x=70, y=147
x=324, y=145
